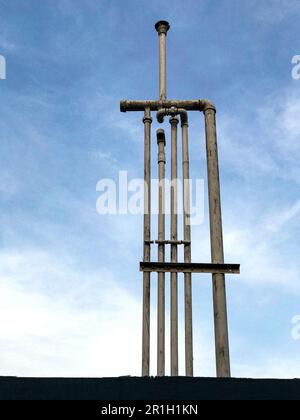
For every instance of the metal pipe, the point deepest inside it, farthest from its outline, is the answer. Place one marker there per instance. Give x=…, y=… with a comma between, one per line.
x=162, y=28
x=187, y=248
x=173, y=111
x=174, y=254
x=172, y=242
x=161, y=141
x=190, y=268
x=217, y=251
x=189, y=105
x=217, y=268
x=147, y=243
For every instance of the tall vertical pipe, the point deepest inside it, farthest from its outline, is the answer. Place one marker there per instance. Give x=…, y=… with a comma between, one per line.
x=187, y=248
x=161, y=141
x=147, y=245
x=162, y=28
x=217, y=251
x=174, y=254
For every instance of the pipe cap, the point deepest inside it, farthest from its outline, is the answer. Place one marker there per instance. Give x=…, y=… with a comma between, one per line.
x=161, y=137
x=162, y=27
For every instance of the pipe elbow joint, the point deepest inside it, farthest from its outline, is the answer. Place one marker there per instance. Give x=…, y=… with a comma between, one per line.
x=160, y=115
x=207, y=105
x=183, y=116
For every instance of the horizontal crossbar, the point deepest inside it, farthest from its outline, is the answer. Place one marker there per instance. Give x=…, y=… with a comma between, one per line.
x=173, y=242
x=152, y=267
x=189, y=105
x=168, y=242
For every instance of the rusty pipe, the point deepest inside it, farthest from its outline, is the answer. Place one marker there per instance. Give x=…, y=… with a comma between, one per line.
x=162, y=28
x=217, y=251
x=161, y=141
x=174, y=247
x=189, y=105
x=187, y=247
x=173, y=111
x=147, y=120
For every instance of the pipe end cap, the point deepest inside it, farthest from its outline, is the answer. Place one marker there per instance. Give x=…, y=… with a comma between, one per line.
x=162, y=27
x=123, y=105
x=161, y=137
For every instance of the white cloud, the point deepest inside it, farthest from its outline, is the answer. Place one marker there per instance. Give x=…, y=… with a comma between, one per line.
x=279, y=120
x=258, y=247
x=269, y=367
x=268, y=147
x=241, y=149
x=258, y=244
x=278, y=220
x=63, y=322
x=272, y=11
x=261, y=264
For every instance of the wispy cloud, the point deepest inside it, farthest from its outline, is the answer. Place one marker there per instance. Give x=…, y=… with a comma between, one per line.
x=268, y=147
x=273, y=11
x=277, y=221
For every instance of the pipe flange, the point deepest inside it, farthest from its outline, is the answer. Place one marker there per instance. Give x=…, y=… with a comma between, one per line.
x=147, y=120
x=174, y=120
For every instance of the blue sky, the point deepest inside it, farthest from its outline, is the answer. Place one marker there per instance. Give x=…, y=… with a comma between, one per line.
x=70, y=289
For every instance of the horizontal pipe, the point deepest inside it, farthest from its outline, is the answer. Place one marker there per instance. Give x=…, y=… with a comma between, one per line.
x=173, y=242
x=163, y=267
x=192, y=105
x=167, y=242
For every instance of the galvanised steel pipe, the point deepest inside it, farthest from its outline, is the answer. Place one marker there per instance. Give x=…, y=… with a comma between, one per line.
x=147, y=243
x=161, y=141
x=162, y=28
x=187, y=247
x=189, y=105
x=174, y=247
x=217, y=251
x=173, y=111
